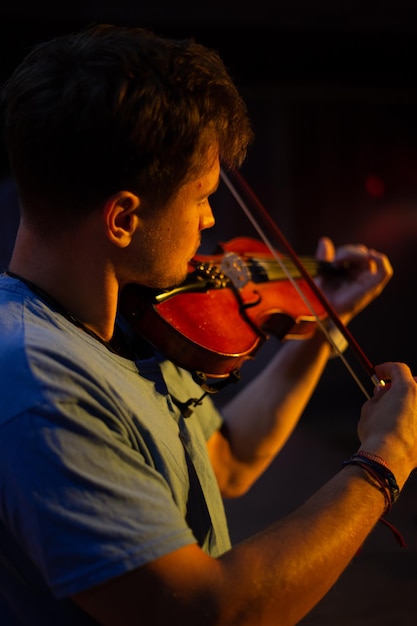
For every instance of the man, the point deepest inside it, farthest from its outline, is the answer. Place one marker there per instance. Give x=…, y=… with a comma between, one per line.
x=110, y=507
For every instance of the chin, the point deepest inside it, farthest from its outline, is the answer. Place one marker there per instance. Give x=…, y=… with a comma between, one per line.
x=167, y=277
x=176, y=282
x=170, y=282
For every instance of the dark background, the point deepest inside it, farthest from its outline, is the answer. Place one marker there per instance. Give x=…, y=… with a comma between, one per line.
x=331, y=87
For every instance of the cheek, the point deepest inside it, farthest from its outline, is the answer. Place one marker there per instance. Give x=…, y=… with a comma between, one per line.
x=179, y=236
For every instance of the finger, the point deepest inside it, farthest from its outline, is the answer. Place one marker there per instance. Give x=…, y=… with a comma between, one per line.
x=382, y=263
x=393, y=371
x=325, y=249
x=352, y=253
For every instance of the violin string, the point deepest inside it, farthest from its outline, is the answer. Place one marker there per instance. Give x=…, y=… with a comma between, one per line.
x=359, y=353
x=264, y=237
x=272, y=266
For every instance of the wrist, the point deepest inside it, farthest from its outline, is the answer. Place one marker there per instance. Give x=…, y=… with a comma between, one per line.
x=378, y=470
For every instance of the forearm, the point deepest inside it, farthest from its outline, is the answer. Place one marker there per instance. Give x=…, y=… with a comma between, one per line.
x=259, y=420
x=272, y=579
x=296, y=561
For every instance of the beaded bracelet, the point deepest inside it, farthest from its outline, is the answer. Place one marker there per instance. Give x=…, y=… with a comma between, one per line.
x=376, y=482
x=380, y=471
x=373, y=457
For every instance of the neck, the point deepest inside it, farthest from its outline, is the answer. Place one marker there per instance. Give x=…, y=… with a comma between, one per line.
x=87, y=290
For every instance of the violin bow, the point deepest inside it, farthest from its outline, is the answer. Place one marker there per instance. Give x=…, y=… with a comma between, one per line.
x=273, y=228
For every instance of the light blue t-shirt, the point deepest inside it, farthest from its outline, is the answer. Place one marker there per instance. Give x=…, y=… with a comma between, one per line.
x=99, y=471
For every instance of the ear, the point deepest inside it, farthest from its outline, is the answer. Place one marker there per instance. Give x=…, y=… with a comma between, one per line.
x=121, y=217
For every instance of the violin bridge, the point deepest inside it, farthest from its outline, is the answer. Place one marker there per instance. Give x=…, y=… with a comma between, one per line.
x=235, y=269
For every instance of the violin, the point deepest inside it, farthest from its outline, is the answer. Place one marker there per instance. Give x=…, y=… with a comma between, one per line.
x=228, y=305
x=233, y=300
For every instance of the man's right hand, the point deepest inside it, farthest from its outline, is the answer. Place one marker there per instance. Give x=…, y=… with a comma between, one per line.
x=388, y=424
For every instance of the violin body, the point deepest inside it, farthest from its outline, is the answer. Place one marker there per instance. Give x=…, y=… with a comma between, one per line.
x=229, y=304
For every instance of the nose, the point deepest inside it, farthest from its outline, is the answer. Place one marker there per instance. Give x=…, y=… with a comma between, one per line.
x=207, y=218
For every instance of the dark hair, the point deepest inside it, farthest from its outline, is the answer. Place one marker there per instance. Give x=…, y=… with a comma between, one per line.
x=112, y=108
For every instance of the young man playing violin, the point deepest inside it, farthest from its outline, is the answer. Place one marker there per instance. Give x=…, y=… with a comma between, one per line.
x=111, y=501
